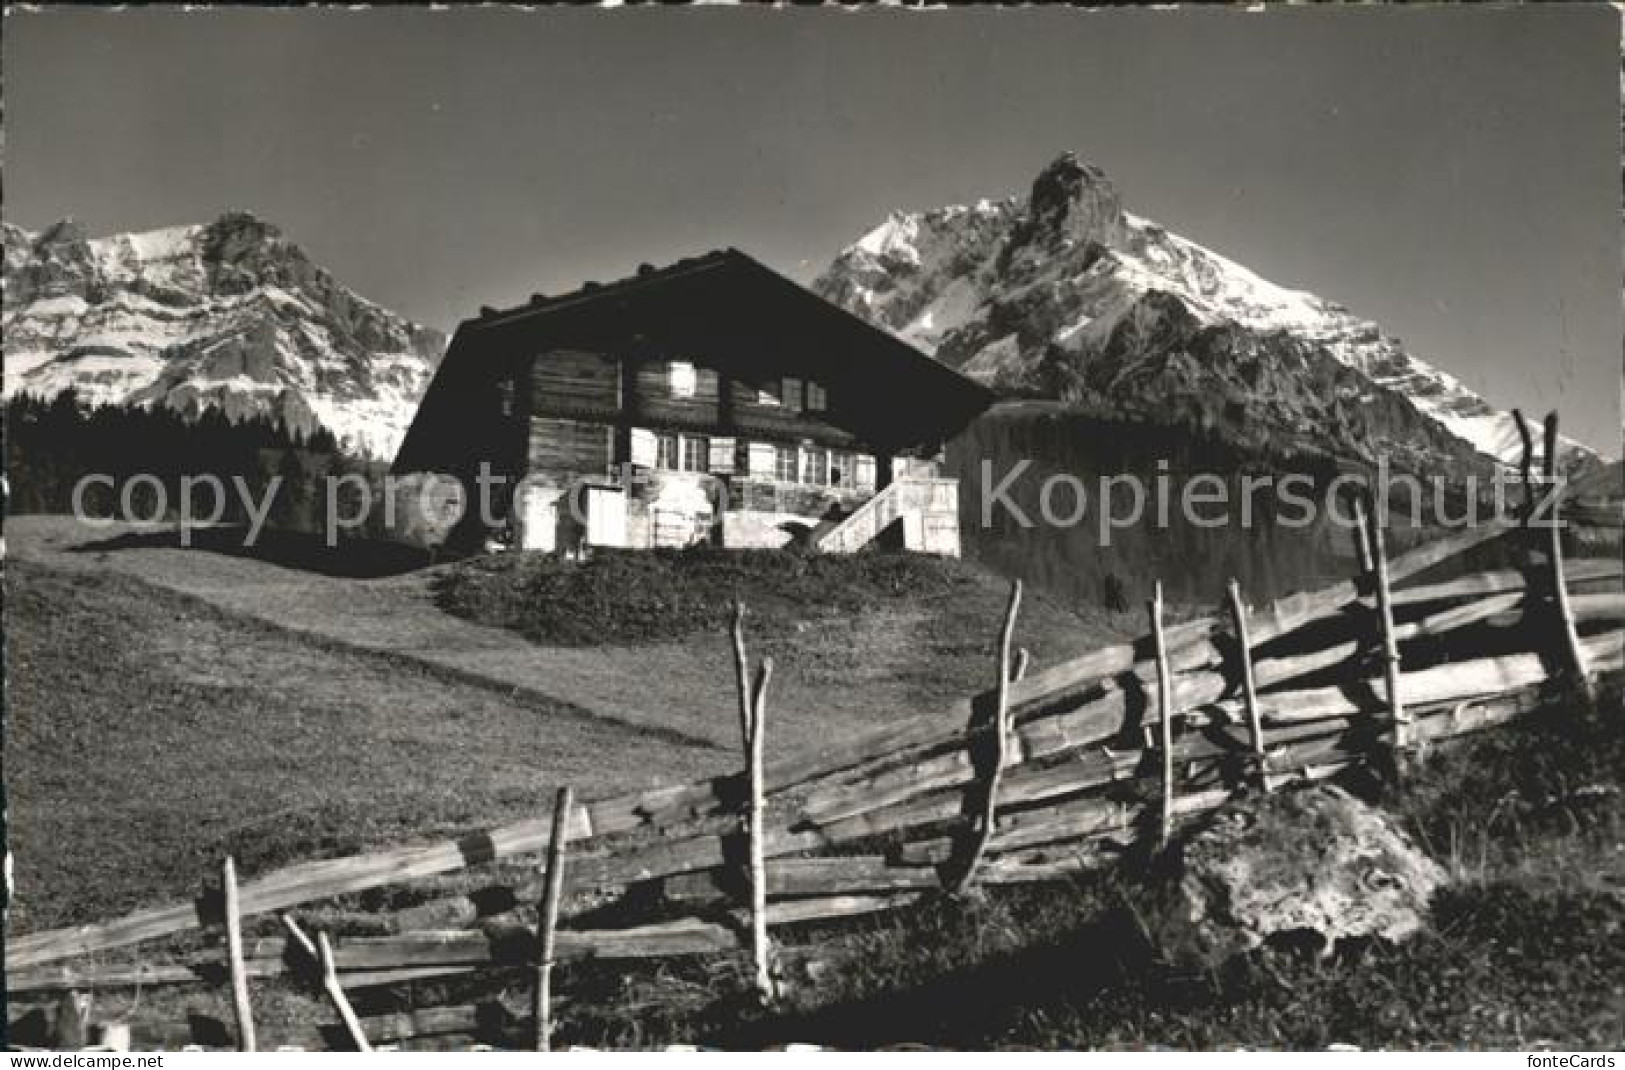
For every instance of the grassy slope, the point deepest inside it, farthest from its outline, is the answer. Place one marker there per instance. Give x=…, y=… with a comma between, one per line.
x=899, y=620
x=147, y=733
x=838, y=671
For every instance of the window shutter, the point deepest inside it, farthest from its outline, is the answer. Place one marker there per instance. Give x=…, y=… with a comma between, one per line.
x=722, y=456
x=864, y=469
x=761, y=459
x=645, y=447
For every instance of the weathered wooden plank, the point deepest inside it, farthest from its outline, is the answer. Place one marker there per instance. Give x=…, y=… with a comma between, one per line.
x=803, y=877
x=427, y=950
x=1581, y=572
x=829, y=908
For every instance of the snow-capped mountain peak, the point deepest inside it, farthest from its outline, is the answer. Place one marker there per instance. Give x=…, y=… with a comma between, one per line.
x=228, y=314
x=1064, y=293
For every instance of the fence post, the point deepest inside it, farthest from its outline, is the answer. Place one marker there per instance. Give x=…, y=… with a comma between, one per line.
x=1008, y=673
x=1362, y=548
x=741, y=672
x=1165, y=718
x=234, y=956
x=757, y=833
x=1385, y=619
x=1526, y=466
x=547, y=920
x=1560, y=591
x=1249, y=691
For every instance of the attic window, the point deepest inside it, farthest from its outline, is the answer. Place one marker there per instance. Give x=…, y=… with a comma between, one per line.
x=683, y=378
x=817, y=400
x=792, y=394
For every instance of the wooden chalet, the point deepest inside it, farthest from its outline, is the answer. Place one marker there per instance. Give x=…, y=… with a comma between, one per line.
x=712, y=401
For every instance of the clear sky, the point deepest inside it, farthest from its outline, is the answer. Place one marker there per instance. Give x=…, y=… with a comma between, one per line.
x=1452, y=172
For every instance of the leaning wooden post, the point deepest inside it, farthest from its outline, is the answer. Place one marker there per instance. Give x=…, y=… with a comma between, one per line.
x=322, y=952
x=757, y=833
x=335, y=993
x=234, y=955
x=547, y=921
x=1362, y=547
x=741, y=673
x=1385, y=619
x=1008, y=673
x=1249, y=690
x=1526, y=466
x=1574, y=652
x=1165, y=719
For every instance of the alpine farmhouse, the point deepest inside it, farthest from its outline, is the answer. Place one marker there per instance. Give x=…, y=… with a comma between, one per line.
x=713, y=401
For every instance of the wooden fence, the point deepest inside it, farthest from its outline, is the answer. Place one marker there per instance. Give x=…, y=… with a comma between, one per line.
x=1051, y=771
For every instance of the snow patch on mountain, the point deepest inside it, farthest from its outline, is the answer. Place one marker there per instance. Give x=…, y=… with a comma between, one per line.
x=228, y=315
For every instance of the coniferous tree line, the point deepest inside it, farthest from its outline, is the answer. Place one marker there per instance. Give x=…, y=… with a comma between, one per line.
x=51, y=445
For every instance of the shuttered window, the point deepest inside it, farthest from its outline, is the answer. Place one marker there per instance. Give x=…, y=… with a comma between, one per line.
x=817, y=400
x=792, y=394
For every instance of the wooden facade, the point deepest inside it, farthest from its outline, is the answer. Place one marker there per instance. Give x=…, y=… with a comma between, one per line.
x=712, y=402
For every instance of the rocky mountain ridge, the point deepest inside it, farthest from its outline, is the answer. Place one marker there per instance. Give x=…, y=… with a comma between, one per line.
x=1063, y=294
x=229, y=314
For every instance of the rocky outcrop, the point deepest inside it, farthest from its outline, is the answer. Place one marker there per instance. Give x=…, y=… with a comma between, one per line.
x=1064, y=294
x=1315, y=863
x=228, y=315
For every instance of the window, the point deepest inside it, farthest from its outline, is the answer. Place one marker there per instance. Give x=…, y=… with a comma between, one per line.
x=682, y=377
x=786, y=464
x=667, y=457
x=815, y=465
x=792, y=394
x=841, y=469
x=817, y=400
x=696, y=453
x=684, y=453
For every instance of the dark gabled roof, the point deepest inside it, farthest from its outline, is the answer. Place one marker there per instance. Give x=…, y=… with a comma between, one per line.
x=728, y=307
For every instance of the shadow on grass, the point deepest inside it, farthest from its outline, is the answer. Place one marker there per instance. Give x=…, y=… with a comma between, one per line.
x=348, y=559
x=970, y=1006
